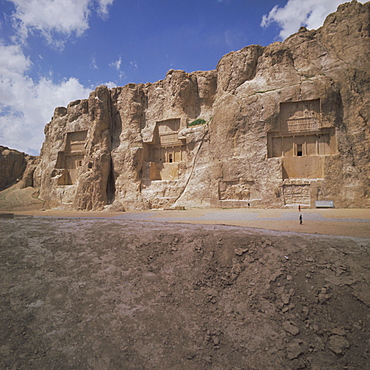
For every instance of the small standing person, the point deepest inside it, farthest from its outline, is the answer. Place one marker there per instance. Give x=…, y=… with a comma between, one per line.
x=300, y=219
x=299, y=208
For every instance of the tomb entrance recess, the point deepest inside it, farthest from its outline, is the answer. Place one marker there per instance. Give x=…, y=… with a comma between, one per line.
x=301, y=140
x=71, y=158
x=163, y=155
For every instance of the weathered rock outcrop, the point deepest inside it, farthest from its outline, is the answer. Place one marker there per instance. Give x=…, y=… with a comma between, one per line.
x=272, y=126
x=16, y=167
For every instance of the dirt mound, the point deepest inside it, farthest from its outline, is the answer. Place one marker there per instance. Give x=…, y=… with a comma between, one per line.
x=111, y=294
x=17, y=199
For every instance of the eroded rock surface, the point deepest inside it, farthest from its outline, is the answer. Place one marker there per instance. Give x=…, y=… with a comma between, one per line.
x=16, y=167
x=273, y=126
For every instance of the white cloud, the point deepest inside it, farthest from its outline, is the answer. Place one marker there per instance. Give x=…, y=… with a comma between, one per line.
x=116, y=64
x=48, y=17
x=54, y=18
x=297, y=13
x=12, y=60
x=93, y=64
x=110, y=84
x=103, y=7
x=27, y=105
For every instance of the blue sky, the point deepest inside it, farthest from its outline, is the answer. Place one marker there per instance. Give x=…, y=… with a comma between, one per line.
x=56, y=51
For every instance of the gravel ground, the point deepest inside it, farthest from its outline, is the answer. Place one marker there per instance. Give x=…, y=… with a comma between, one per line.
x=108, y=293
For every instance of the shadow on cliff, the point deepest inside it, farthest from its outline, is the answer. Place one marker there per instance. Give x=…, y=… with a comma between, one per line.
x=111, y=187
x=116, y=128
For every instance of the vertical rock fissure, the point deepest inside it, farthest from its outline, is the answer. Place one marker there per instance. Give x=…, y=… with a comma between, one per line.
x=111, y=187
x=111, y=181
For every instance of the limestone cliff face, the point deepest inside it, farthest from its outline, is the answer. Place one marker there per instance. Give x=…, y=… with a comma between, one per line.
x=274, y=126
x=16, y=167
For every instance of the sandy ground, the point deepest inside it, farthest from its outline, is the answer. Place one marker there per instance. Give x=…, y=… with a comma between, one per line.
x=344, y=222
x=16, y=199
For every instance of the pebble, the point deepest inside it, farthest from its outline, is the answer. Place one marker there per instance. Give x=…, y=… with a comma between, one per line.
x=285, y=298
x=338, y=344
x=240, y=251
x=294, y=349
x=290, y=328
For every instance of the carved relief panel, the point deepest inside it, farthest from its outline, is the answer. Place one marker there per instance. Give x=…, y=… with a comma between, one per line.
x=165, y=152
x=300, y=116
x=71, y=158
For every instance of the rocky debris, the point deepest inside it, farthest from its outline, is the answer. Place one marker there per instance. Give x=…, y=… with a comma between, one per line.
x=295, y=349
x=338, y=344
x=240, y=251
x=290, y=328
x=323, y=296
x=281, y=125
x=116, y=294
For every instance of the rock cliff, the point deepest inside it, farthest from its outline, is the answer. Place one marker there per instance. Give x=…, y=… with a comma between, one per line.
x=273, y=126
x=16, y=167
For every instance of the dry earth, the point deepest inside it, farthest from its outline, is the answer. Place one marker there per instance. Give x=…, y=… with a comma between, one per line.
x=16, y=199
x=119, y=294
x=341, y=222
